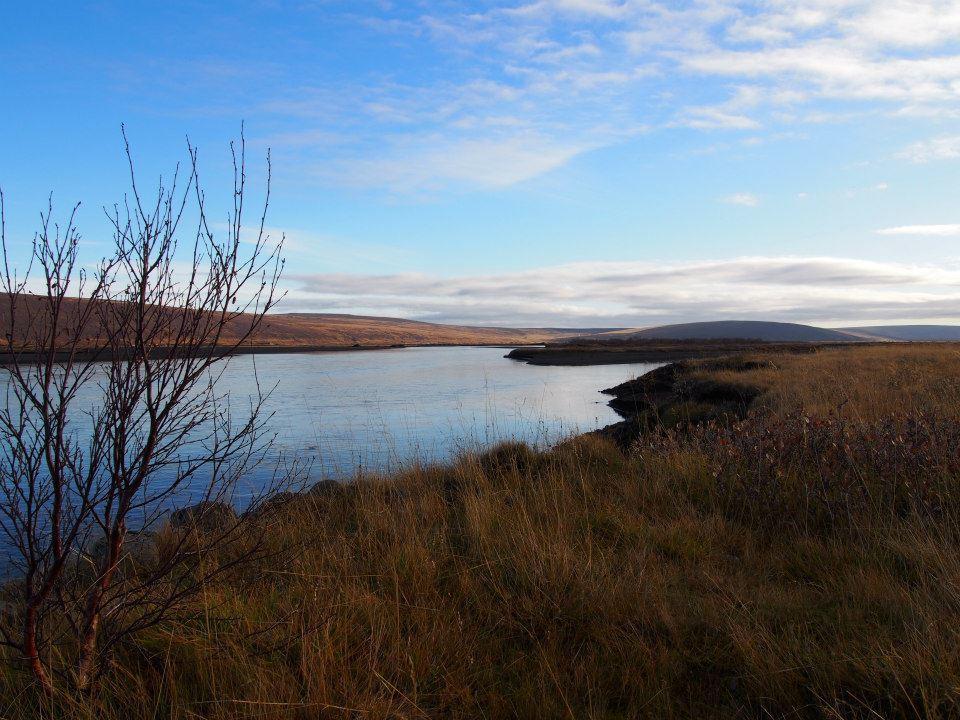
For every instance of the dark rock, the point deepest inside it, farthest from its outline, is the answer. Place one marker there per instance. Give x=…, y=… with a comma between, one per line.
x=205, y=515
x=139, y=550
x=507, y=458
x=280, y=499
x=715, y=392
x=274, y=503
x=624, y=433
x=646, y=392
x=326, y=488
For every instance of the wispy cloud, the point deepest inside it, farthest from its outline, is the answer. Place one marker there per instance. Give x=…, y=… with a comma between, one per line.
x=817, y=289
x=528, y=87
x=742, y=198
x=711, y=118
x=944, y=147
x=947, y=230
x=430, y=163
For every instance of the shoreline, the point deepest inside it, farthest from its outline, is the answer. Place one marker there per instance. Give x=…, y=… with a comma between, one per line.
x=664, y=352
x=98, y=355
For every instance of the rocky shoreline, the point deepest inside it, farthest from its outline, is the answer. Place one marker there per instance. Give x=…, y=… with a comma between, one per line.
x=674, y=395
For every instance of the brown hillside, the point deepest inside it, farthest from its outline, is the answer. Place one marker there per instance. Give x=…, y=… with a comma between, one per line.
x=346, y=330
x=318, y=330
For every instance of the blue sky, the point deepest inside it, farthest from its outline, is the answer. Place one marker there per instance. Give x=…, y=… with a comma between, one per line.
x=531, y=162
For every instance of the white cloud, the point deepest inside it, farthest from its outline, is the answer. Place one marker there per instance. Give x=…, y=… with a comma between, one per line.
x=596, y=8
x=945, y=147
x=948, y=230
x=907, y=23
x=575, y=74
x=715, y=118
x=839, y=70
x=428, y=163
x=813, y=289
x=742, y=198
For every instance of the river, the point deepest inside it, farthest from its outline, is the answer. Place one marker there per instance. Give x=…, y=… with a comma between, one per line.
x=380, y=410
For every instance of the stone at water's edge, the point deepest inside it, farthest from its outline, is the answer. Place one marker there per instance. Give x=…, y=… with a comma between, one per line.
x=325, y=488
x=139, y=550
x=205, y=515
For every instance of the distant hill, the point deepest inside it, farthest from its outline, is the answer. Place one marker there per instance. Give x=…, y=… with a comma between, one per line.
x=739, y=330
x=915, y=333
x=321, y=330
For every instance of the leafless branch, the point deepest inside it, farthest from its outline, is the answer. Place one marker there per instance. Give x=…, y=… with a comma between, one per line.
x=94, y=453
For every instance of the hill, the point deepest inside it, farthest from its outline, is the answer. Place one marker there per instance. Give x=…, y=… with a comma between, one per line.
x=909, y=333
x=300, y=331
x=331, y=330
x=738, y=330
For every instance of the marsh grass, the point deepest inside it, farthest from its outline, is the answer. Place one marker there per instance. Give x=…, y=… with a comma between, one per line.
x=801, y=562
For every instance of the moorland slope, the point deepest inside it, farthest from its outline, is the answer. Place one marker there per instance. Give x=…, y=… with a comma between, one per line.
x=313, y=330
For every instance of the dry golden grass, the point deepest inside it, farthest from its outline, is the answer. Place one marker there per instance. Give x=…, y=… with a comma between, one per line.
x=589, y=583
x=862, y=383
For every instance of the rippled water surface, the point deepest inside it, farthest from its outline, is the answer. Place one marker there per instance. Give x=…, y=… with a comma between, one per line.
x=384, y=409
x=345, y=412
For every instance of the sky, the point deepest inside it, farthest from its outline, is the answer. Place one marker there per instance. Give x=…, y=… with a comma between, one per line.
x=563, y=163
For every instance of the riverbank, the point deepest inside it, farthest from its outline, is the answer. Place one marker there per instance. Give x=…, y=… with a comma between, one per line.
x=798, y=556
x=613, y=352
x=93, y=355
x=682, y=393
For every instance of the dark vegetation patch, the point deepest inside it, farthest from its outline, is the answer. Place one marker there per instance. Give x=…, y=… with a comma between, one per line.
x=613, y=351
x=682, y=394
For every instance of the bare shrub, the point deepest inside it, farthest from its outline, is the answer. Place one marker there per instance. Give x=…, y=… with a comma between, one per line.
x=84, y=483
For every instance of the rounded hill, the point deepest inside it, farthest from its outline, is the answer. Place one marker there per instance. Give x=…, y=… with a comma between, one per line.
x=741, y=330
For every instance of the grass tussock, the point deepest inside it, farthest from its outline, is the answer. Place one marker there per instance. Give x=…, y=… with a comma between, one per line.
x=802, y=561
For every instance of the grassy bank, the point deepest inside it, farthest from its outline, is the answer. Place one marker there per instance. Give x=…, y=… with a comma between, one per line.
x=614, y=351
x=800, y=561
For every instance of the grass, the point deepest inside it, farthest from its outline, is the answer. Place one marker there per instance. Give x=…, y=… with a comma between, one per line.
x=800, y=562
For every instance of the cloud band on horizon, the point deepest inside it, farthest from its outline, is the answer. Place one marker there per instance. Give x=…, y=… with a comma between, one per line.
x=825, y=290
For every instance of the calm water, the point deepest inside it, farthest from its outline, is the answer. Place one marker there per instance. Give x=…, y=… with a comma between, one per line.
x=345, y=412
x=381, y=410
